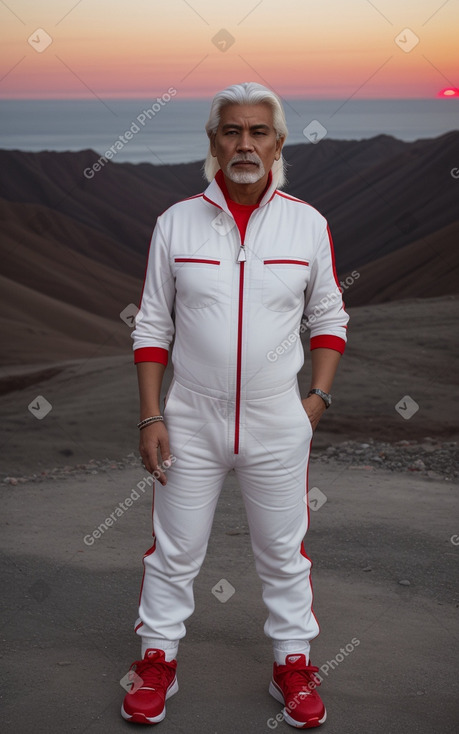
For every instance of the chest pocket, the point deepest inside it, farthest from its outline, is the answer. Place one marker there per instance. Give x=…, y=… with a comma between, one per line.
x=197, y=281
x=284, y=282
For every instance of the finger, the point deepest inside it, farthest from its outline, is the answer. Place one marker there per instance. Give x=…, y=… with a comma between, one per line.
x=164, y=451
x=159, y=474
x=155, y=465
x=149, y=456
x=152, y=465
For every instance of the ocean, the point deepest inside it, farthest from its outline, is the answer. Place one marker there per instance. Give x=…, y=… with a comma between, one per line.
x=172, y=130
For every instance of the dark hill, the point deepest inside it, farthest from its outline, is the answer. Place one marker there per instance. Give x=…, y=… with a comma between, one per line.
x=78, y=244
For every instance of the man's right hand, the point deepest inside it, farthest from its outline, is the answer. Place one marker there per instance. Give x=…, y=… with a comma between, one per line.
x=154, y=450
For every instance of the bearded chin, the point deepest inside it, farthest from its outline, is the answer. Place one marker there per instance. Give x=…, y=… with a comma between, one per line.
x=245, y=177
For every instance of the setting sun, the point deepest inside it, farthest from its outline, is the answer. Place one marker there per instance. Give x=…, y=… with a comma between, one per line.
x=449, y=92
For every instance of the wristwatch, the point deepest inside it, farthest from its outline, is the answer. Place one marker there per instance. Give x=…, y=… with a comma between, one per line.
x=326, y=397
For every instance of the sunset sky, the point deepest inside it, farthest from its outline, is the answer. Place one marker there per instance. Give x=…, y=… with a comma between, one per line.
x=300, y=48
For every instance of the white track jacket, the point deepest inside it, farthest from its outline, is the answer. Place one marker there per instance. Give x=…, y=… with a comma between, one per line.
x=236, y=308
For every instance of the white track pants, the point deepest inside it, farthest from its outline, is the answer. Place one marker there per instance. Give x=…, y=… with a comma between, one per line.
x=272, y=467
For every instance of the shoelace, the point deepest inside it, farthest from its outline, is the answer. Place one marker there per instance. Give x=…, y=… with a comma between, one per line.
x=154, y=674
x=299, y=680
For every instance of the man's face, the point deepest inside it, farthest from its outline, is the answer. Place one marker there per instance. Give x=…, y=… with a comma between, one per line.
x=245, y=143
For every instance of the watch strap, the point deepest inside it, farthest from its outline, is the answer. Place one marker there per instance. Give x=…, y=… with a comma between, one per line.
x=326, y=397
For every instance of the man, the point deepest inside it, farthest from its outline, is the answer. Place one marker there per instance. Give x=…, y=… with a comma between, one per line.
x=238, y=265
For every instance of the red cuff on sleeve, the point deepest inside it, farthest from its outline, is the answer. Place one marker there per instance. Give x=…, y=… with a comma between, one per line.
x=328, y=341
x=151, y=354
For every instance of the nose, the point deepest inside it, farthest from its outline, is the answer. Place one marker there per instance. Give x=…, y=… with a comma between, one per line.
x=245, y=141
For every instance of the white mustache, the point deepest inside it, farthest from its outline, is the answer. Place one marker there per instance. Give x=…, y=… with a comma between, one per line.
x=246, y=159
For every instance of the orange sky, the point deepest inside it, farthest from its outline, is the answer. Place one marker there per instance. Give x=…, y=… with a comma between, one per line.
x=300, y=48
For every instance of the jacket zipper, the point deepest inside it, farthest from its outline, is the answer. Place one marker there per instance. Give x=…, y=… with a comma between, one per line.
x=241, y=259
x=237, y=412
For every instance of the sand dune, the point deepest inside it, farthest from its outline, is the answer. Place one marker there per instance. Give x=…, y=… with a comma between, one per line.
x=37, y=328
x=74, y=248
x=380, y=194
x=47, y=252
x=429, y=265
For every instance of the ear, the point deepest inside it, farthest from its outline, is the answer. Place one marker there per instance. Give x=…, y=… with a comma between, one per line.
x=279, y=143
x=213, y=148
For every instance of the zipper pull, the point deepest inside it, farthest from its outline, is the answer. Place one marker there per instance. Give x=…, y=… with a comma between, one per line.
x=241, y=255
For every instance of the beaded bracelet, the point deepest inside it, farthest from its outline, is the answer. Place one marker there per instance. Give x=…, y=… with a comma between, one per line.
x=148, y=421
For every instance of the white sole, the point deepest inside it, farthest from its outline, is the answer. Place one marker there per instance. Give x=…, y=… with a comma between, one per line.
x=278, y=695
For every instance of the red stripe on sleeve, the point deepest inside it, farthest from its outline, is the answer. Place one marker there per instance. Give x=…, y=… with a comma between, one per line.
x=328, y=341
x=332, y=253
x=151, y=354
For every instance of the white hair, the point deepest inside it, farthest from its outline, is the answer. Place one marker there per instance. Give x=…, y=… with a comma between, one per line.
x=247, y=93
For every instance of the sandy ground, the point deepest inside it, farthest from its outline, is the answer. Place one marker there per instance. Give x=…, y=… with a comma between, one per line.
x=394, y=350
x=69, y=608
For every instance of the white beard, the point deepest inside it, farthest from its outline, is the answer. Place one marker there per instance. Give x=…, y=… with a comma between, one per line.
x=246, y=177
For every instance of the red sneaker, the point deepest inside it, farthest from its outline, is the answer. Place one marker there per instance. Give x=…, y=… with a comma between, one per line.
x=294, y=684
x=147, y=705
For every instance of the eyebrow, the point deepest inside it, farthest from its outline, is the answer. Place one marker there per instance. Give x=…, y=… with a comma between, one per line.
x=260, y=126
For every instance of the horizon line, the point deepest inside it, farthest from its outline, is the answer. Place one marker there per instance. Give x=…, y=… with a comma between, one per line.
x=286, y=144
x=211, y=96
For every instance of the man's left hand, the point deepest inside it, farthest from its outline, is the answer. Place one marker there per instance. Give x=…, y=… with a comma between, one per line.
x=314, y=407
